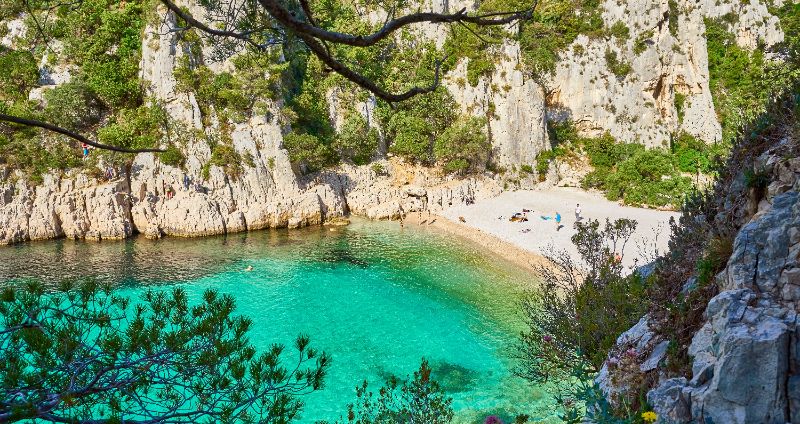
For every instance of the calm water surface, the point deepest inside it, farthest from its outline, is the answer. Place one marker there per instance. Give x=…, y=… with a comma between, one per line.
x=374, y=296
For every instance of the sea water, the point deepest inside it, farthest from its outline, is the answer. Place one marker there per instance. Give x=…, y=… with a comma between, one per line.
x=376, y=297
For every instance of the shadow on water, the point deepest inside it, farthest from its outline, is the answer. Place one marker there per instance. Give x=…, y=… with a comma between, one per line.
x=139, y=261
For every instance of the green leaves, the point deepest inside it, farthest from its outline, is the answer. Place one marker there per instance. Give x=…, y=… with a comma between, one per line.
x=463, y=147
x=19, y=72
x=419, y=400
x=82, y=347
x=356, y=141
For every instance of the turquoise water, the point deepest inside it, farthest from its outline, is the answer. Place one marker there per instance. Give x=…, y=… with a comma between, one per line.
x=376, y=297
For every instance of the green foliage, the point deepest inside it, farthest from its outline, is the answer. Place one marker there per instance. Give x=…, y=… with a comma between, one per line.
x=307, y=151
x=83, y=351
x=635, y=175
x=463, y=147
x=226, y=157
x=18, y=152
x=411, y=137
x=672, y=19
x=619, y=31
x=221, y=91
x=680, y=105
x=738, y=82
x=640, y=44
x=19, y=72
x=648, y=177
x=618, y=67
x=137, y=128
x=356, y=142
x=416, y=400
x=575, y=317
x=555, y=25
x=73, y=106
x=412, y=126
x=172, y=157
x=461, y=43
x=694, y=155
x=604, y=152
x=104, y=38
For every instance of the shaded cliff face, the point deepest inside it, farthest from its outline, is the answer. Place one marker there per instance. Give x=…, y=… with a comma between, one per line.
x=201, y=198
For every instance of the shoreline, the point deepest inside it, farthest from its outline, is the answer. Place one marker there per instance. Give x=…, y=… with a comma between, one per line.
x=486, y=223
x=494, y=245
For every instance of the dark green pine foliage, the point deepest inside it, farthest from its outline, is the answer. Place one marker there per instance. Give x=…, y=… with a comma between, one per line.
x=81, y=353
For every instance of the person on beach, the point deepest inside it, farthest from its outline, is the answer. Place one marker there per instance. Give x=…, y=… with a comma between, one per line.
x=558, y=221
x=402, y=212
x=186, y=182
x=85, y=148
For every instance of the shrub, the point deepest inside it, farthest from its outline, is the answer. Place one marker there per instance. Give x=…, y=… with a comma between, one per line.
x=73, y=106
x=356, y=141
x=693, y=155
x=463, y=147
x=417, y=400
x=680, y=104
x=172, y=157
x=135, y=128
x=412, y=137
x=617, y=67
x=226, y=157
x=307, y=152
x=672, y=18
x=648, y=178
x=19, y=72
x=620, y=31
x=413, y=125
x=640, y=45
x=575, y=316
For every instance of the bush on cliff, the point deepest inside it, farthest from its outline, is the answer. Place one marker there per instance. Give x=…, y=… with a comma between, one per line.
x=463, y=147
x=582, y=306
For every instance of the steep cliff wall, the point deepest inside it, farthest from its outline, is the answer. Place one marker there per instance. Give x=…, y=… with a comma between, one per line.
x=743, y=358
x=267, y=192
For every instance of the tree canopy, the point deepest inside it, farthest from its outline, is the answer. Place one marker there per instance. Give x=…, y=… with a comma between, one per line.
x=81, y=354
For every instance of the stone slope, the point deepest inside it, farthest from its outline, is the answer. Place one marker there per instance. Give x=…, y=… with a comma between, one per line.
x=745, y=358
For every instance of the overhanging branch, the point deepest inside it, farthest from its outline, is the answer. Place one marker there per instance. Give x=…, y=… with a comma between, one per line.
x=72, y=135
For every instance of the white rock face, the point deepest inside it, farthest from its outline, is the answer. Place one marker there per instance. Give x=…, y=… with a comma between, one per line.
x=267, y=193
x=513, y=105
x=640, y=107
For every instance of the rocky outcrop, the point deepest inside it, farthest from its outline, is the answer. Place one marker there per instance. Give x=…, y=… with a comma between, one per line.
x=512, y=104
x=151, y=198
x=746, y=356
x=640, y=105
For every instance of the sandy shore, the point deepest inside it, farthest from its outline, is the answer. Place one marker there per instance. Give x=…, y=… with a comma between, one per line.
x=487, y=224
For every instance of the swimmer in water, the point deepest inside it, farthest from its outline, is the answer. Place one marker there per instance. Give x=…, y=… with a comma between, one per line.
x=249, y=268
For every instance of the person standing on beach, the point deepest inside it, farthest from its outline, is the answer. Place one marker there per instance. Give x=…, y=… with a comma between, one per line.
x=578, y=216
x=558, y=221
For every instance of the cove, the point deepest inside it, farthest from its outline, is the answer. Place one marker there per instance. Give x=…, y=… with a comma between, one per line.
x=374, y=296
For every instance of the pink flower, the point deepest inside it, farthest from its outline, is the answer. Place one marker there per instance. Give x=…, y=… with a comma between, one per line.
x=492, y=419
x=547, y=339
x=631, y=353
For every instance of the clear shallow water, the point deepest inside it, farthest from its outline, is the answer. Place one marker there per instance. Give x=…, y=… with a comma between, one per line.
x=375, y=297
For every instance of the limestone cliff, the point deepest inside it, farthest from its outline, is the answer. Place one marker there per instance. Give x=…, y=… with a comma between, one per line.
x=269, y=193
x=744, y=358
